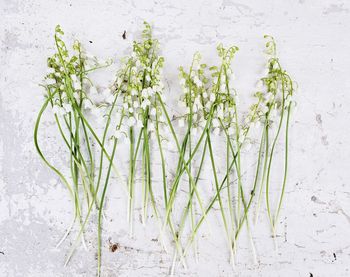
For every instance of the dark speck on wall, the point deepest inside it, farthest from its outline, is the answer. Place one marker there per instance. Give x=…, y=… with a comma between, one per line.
x=114, y=247
x=319, y=119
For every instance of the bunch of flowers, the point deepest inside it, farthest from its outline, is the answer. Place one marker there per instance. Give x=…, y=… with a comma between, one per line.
x=66, y=87
x=141, y=86
x=210, y=103
x=134, y=109
x=275, y=116
x=211, y=107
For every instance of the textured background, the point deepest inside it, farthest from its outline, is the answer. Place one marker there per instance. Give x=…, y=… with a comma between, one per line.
x=314, y=46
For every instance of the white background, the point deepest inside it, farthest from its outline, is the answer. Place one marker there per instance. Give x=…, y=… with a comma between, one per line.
x=314, y=46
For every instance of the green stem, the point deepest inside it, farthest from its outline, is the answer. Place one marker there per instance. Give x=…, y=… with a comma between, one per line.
x=131, y=178
x=218, y=193
x=101, y=208
x=285, y=167
x=36, y=143
x=266, y=154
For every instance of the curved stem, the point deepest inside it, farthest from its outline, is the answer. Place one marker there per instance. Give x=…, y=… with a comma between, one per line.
x=100, y=210
x=218, y=194
x=285, y=167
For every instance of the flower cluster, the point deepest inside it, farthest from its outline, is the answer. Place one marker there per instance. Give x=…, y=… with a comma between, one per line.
x=139, y=82
x=274, y=93
x=208, y=91
x=67, y=81
x=66, y=85
x=276, y=88
x=64, y=78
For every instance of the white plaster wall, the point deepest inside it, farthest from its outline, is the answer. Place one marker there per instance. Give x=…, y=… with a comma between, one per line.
x=314, y=46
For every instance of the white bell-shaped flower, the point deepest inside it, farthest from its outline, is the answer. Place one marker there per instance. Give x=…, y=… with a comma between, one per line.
x=162, y=118
x=145, y=103
x=181, y=122
x=50, y=70
x=230, y=131
x=139, y=123
x=264, y=109
x=77, y=85
x=220, y=113
x=247, y=146
x=50, y=81
x=216, y=131
x=108, y=96
x=216, y=123
x=144, y=93
x=151, y=91
x=87, y=105
x=118, y=134
x=67, y=107
x=60, y=111
x=197, y=81
x=269, y=97
x=260, y=85
x=222, y=87
x=273, y=113
x=131, y=121
x=208, y=105
x=153, y=111
x=257, y=124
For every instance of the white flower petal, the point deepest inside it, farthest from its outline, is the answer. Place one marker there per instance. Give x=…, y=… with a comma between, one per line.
x=153, y=112
x=131, y=121
x=118, y=134
x=139, y=124
x=181, y=122
x=216, y=131
x=230, y=130
x=216, y=122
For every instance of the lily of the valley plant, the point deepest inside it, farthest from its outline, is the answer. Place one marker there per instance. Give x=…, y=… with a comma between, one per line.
x=91, y=123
